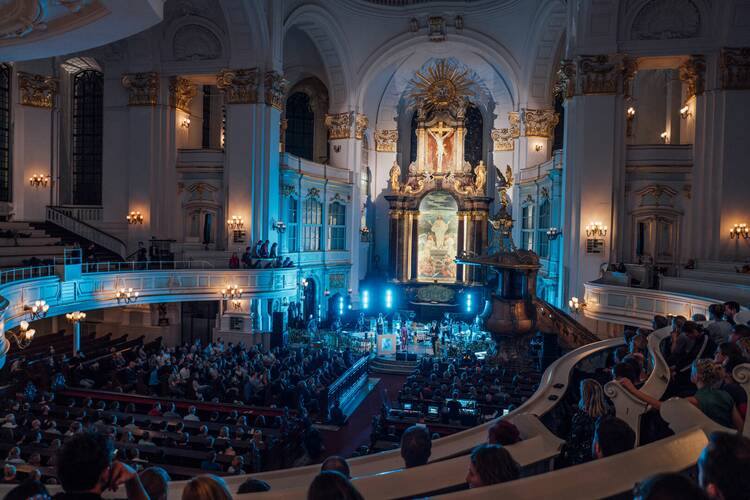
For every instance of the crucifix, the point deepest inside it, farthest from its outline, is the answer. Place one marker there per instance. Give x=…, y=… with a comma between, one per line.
x=440, y=134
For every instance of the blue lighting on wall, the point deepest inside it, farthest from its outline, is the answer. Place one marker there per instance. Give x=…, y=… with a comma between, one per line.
x=468, y=302
x=388, y=298
x=341, y=306
x=365, y=299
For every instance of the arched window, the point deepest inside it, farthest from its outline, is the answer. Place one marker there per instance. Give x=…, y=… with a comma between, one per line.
x=292, y=221
x=527, y=227
x=300, y=126
x=87, y=137
x=336, y=226
x=473, y=142
x=312, y=225
x=543, y=226
x=5, y=73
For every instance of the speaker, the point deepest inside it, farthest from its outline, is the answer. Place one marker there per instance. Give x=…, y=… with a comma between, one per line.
x=412, y=356
x=279, y=333
x=400, y=356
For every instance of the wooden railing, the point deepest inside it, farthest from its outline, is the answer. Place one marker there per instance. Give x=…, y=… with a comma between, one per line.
x=346, y=386
x=63, y=218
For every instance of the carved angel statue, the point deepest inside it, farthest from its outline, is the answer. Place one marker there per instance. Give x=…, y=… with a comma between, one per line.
x=394, y=174
x=508, y=176
x=480, y=177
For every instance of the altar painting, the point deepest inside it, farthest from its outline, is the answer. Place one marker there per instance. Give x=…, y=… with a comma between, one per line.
x=437, y=237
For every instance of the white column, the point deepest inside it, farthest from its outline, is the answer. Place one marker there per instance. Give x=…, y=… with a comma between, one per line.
x=76, y=337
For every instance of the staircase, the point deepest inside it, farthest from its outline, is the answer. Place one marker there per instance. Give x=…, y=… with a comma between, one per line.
x=24, y=245
x=69, y=238
x=391, y=366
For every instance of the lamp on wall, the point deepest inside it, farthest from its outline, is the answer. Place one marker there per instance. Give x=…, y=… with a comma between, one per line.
x=575, y=305
x=37, y=310
x=279, y=226
x=185, y=122
x=538, y=147
x=553, y=233
x=665, y=137
x=596, y=230
x=231, y=292
x=23, y=336
x=739, y=231
x=326, y=292
x=126, y=295
x=236, y=222
x=39, y=180
x=237, y=304
x=685, y=112
x=134, y=217
x=630, y=115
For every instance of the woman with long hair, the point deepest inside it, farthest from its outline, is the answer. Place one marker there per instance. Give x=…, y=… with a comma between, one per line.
x=208, y=487
x=591, y=406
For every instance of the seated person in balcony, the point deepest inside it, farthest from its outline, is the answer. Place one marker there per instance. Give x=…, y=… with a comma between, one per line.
x=612, y=436
x=668, y=486
x=591, y=406
x=210, y=464
x=740, y=331
x=731, y=308
x=272, y=252
x=263, y=252
x=416, y=446
x=729, y=385
x=690, y=344
x=718, y=405
x=723, y=467
x=247, y=258
x=234, y=261
x=504, y=433
x=491, y=464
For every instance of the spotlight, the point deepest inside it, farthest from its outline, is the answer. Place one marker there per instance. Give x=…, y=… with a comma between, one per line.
x=341, y=306
x=388, y=298
x=468, y=302
x=365, y=299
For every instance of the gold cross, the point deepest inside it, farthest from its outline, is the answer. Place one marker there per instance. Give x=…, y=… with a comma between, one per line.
x=441, y=129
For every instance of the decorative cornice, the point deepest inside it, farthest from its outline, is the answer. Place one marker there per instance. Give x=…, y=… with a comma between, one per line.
x=734, y=68
x=514, y=120
x=240, y=86
x=313, y=193
x=386, y=141
x=539, y=122
x=598, y=74
x=566, y=79
x=275, y=89
x=502, y=140
x=181, y=93
x=37, y=90
x=288, y=190
x=339, y=125
x=143, y=88
x=360, y=125
x=693, y=73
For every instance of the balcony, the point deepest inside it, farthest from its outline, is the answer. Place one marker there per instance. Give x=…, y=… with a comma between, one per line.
x=320, y=170
x=535, y=172
x=659, y=154
x=202, y=158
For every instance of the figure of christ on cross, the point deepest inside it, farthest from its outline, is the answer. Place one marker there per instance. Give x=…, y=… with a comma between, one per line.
x=440, y=134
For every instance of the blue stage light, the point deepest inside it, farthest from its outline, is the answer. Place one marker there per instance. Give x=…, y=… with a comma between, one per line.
x=388, y=298
x=468, y=302
x=365, y=299
x=341, y=306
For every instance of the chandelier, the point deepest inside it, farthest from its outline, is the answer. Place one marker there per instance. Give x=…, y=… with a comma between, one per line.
x=38, y=180
x=235, y=222
x=37, y=310
x=596, y=230
x=134, y=217
x=575, y=305
x=126, y=295
x=23, y=336
x=231, y=292
x=75, y=317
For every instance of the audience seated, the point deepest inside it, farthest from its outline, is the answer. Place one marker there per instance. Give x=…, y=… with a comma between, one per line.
x=338, y=464
x=253, y=486
x=491, y=464
x=206, y=488
x=612, y=436
x=155, y=481
x=715, y=403
x=668, y=487
x=723, y=467
x=332, y=485
x=591, y=407
x=503, y=433
x=416, y=446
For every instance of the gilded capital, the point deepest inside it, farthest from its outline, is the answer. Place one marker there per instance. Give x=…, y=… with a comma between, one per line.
x=181, y=93
x=565, y=85
x=734, y=68
x=693, y=73
x=598, y=74
x=240, y=86
x=360, y=125
x=539, y=122
x=502, y=140
x=275, y=89
x=514, y=120
x=386, y=141
x=143, y=88
x=37, y=90
x=339, y=125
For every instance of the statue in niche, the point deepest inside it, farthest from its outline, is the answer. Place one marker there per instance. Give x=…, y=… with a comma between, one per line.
x=394, y=174
x=480, y=177
x=163, y=319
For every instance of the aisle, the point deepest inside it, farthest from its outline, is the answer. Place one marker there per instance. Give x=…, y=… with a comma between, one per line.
x=357, y=431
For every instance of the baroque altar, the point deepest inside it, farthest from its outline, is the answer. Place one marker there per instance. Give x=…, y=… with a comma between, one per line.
x=439, y=205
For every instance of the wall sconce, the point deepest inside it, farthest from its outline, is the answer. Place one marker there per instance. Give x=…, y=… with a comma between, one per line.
x=304, y=282
x=134, y=217
x=38, y=180
x=349, y=291
x=127, y=296
x=685, y=112
x=364, y=234
x=279, y=226
x=538, y=147
x=575, y=305
x=231, y=292
x=739, y=231
x=237, y=305
x=596, y=230
x=665, y=137
x=37, y=310
x=630, y=115
x=337, y=148
x=185, y=123
x=553, y=233
x=326, y=292
x=23, y=336
x=236, y=222
x=76, y=316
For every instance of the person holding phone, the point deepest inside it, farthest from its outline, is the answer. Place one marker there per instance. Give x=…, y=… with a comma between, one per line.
x=87, y=467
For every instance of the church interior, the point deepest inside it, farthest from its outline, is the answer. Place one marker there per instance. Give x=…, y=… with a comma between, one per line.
x=380, y=249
